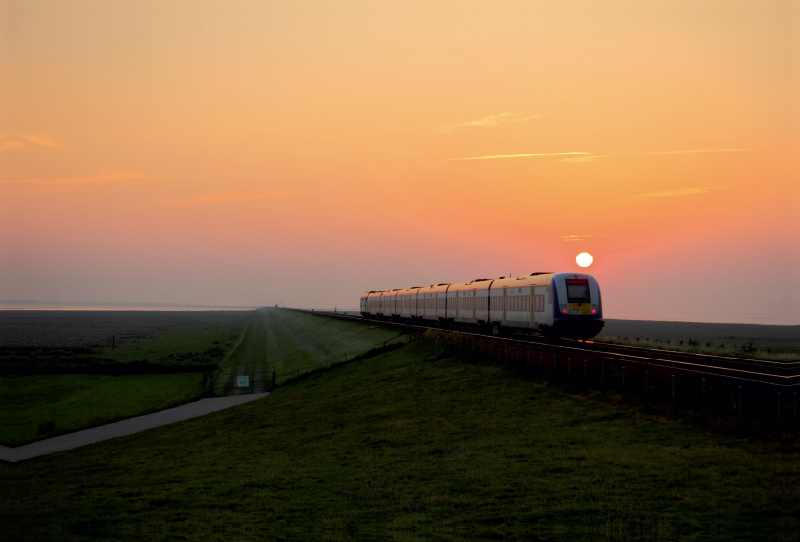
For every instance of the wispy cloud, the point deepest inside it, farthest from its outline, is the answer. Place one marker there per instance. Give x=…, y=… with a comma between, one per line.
x=101, y=177
x=15, y=141
x=579, y=237
x=236, y=196
x=628, y=249
x=12, y=146
x=581, y=156
x=507, y=117
x=525, y=155
x=694, y=151
x=675, y=193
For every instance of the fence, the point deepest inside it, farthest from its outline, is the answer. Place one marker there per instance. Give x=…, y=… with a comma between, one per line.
x=748, y=404
x=225, y=381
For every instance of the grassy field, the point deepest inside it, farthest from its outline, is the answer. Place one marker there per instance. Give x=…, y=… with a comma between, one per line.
x=43, y=405
x=770, y=342
x=35, y=407
x=206, y=338
x=733, y=348
x=405, y=446
x=292, y=342
x=97, y=328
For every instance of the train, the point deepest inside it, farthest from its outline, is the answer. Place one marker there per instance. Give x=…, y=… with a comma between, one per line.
x=553, y=304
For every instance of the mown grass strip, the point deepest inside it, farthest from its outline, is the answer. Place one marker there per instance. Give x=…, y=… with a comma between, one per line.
x=292, y=343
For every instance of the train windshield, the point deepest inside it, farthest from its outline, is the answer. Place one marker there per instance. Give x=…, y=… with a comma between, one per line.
x=578, y=291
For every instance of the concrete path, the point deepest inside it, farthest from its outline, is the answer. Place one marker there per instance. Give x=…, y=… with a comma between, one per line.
x=125, y=427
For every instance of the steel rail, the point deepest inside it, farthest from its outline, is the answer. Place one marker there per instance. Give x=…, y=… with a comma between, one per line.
x=740, y=369
x=674, y=354
x=775, y=368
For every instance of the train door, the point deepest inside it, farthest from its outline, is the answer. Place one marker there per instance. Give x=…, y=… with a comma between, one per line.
x=540, y=304
x=505, y=305
x=472, y=300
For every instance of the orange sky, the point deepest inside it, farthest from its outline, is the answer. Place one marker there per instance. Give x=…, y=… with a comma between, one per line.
x=302, y=152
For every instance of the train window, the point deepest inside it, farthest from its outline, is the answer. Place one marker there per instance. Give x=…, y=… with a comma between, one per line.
x=578, y=291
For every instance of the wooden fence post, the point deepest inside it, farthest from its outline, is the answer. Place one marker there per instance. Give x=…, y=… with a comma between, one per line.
x=739, y=406
x=603, y=377
x=569, y=369
x=674, y=401
x=703, y=398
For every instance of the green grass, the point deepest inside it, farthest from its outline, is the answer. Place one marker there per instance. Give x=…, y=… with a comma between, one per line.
x=74, y=402
x=78, y=401
x=406, y=447
x=293, y=342
x=217, y=332
x=735, y=348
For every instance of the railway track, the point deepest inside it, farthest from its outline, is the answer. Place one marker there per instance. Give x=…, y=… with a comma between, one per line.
x=774, y=374
x=752, y=394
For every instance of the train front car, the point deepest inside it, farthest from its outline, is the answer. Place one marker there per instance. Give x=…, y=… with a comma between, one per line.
x=577, y=306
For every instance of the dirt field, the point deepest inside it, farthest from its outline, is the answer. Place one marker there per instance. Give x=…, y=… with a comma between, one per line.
x=96, y=328
x=775, y=343
x=766, y=336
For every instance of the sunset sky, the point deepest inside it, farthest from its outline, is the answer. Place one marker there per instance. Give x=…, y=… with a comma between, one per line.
x=300, y=152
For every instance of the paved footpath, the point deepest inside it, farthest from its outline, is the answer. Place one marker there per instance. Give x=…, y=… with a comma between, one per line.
x=125, y=427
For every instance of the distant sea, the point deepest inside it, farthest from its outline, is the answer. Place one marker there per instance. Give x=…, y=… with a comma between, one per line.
x=16, y=304
x=31, y=305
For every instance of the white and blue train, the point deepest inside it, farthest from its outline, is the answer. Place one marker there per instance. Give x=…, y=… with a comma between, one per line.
x=554, y=304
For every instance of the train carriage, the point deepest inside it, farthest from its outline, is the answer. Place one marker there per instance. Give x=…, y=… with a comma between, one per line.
x=555, y=304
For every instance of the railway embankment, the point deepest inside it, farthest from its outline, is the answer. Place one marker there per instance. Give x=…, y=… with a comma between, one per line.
x=419, y=441
x=715, y=390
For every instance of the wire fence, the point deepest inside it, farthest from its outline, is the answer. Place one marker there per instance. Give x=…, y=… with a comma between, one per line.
x=225, y=382
x=711, y=399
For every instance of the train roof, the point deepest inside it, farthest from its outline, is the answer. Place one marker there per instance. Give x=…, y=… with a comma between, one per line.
x=531, y=279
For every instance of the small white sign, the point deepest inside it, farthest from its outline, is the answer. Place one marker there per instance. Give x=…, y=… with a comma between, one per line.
x=242, y=381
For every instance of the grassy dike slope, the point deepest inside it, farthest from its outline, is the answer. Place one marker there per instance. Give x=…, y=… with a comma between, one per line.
x=291, y=341
x=402, y=446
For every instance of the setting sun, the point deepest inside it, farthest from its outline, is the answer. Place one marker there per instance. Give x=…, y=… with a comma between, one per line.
x=584, y=259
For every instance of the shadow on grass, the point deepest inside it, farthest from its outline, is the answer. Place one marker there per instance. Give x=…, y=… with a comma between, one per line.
x=335, y=365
